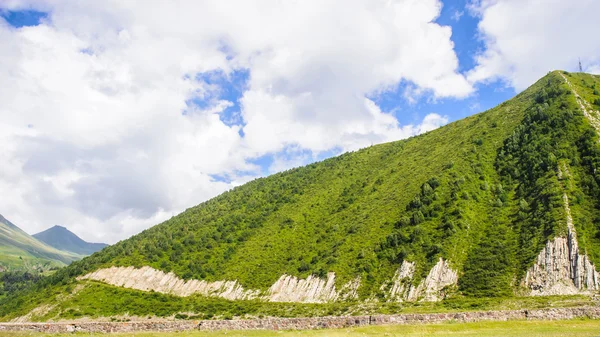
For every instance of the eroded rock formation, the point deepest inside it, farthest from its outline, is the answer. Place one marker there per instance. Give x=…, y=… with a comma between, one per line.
x=148, y=278
x=311, y=290
x=432, y=288
x=560, y=269
x=401, y=282
x=286, y=289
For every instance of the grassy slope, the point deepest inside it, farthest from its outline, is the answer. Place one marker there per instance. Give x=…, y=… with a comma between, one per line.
x=332, y=215
x=481, y=192
x=349, y=214
x=586, y=212
x=19, y=250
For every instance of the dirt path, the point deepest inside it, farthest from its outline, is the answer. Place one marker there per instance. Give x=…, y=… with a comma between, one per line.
x=592, y=115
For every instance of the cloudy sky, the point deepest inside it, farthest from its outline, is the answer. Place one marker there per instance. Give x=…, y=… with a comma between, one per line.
x=116, y=115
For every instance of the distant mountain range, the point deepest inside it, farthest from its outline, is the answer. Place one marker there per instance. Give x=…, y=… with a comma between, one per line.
x=21, y=251
x=52, y=248
x=61, y=238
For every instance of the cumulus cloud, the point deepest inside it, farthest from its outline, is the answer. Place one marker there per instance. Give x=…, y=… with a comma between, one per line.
x=524, y=39
x=108, y=125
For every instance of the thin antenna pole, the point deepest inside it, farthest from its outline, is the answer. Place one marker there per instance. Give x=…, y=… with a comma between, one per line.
x=580, y=67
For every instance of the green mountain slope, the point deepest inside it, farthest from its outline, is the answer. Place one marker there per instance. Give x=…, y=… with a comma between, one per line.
x=461, y=211
x=20, y=251
x=61, y=238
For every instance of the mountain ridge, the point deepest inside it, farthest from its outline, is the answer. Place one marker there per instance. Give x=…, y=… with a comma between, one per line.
x=61, y=238
x=19, y=250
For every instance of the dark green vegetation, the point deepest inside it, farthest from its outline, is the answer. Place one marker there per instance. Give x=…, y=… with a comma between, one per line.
x=61, y=238
x=14, y=281
x=483, y=193
x=20, y=251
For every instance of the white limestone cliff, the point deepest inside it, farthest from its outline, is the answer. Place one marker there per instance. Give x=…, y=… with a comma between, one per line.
x=286, y=289
x=401, y=282
x=311, y=290
x=560, y=269
x=432, y=288
x=150, y=279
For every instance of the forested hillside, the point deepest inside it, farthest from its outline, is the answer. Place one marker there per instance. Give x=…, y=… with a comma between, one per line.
x=461, y=211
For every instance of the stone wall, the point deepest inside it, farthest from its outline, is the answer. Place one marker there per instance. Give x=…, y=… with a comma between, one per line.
x=306, y=323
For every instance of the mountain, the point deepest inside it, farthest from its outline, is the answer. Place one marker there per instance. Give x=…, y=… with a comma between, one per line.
x=62, y=239
x=20, y=251
x=505, y=203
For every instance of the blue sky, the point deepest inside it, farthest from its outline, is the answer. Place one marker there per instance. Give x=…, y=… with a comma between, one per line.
x=23, y=18
x=144, y=111
x=466, y=45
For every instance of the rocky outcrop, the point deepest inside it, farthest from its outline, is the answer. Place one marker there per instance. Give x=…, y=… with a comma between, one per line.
x=440, y=277
x=150, y=279
x=560, y=269
x=432, y=288
x=401, y=282
x=311, y=290
x=286, y=289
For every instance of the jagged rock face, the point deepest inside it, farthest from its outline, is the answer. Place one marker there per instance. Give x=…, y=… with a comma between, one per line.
x=439, y=277
x=147, y=279
x=311, y=290
x=286, y=289
x=401, y=281
x=431, y=289
x=560, y=270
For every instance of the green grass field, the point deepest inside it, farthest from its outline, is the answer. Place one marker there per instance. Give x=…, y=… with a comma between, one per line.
x=482, y=329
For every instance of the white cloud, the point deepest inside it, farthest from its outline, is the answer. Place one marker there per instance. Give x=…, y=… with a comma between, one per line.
x=593, y=69
x=432, y=121
x=525, y=39
x=457, y=15
x=99, y=133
